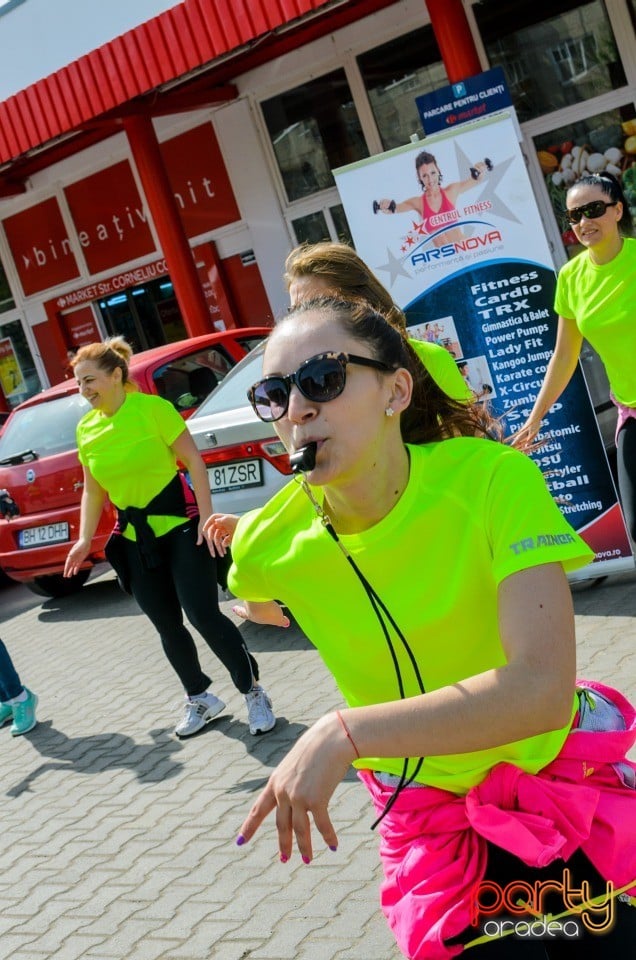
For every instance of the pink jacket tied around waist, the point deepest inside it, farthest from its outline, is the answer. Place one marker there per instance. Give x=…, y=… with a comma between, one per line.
x=433, y=843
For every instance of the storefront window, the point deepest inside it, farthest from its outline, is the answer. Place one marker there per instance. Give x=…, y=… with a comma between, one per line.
x=314, y=227
x=6, y=300
x=604, y=142
x=147, y=315
x=19, y=379
x=340, y=222
x=550, y=62
x=311, y=228
x=394, y=75
x=314, y=128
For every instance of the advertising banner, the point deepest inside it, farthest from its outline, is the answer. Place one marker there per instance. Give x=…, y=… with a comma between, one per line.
x=110, y=217
x=469, y=99
x=11, y=378
x=40, y=247
x=451, y=227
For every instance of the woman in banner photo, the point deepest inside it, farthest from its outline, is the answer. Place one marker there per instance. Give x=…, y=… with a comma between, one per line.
x=129, y=445
x=595, y=299
x=505, y=780
x=437, y=205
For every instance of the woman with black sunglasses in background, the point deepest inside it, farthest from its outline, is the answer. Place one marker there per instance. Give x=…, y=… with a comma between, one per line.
x=473, y=681
x=595, y=299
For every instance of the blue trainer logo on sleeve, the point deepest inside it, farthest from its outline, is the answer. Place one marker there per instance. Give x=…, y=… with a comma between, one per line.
x=543, y=540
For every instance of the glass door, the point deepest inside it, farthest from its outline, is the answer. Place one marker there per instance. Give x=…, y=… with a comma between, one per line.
x=147, y=315
x=320, y=219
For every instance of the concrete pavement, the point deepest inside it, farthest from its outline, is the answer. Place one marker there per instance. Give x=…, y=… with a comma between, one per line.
x=117, y=840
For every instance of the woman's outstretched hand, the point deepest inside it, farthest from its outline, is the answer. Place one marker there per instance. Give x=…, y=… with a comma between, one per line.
x=524, y=438
x=76, y=557
x=218, y=530
x=302, y=784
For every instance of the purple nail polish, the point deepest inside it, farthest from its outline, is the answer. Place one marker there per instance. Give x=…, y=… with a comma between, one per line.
x=306, y=860
x=333, y=848
x=240, y=840
x=284, y=858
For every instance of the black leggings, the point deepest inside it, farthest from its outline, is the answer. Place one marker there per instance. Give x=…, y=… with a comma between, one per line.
x=618, y=943
x=626, y=463
x=186, y=581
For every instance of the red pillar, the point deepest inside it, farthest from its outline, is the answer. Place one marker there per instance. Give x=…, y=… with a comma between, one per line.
x=454, y=39
x=165, y=215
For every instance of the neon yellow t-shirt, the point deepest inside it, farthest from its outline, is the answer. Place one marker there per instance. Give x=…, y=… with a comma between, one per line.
x=129, y=453
x=601, y=300
x=442, y=368
x=473, y=512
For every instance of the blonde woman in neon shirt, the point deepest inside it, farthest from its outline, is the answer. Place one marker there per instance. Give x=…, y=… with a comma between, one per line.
x=473, y=682
x=129, y=445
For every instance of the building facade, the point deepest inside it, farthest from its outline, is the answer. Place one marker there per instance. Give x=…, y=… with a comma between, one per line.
x=153, y=184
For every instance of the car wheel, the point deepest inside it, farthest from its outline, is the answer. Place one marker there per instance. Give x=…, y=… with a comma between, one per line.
x=56, y=585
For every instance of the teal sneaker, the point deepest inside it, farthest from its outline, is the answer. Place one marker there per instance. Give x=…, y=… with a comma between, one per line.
x=6, y=713
x=24, y=715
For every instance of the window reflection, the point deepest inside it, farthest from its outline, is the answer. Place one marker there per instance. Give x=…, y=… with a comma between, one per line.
x=313, y=129
x=394, y=75
x=6, y=300
x=603, y=142
x=311, y=228
x=550, y=62
x=18, y=377
x=340, y=222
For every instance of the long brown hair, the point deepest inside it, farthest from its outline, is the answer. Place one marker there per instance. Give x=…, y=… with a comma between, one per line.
x=347, y=275
x=431, y=414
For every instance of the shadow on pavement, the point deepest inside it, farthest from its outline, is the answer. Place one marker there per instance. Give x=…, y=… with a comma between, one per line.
x=268, y=748
x=151, y=763
x=611, y=596
x=261, y=638
x=101, y=600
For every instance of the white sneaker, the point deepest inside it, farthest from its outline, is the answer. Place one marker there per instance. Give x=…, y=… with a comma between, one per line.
x=259, y=711
x=198, y=711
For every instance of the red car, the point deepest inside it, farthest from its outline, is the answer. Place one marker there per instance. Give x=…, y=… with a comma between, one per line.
x=41, y=478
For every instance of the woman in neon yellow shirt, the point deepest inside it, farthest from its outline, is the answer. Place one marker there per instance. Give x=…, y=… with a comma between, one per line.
x=595, y=297
x=473, y=682
x=129, y=444
x=330, y=269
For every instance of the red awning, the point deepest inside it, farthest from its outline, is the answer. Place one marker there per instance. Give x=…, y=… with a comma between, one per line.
x=163, y=49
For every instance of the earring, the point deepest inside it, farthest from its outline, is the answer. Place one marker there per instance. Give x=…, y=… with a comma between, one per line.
x=389, y=411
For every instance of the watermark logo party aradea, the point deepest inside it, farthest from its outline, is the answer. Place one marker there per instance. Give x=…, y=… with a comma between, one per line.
x=520, y=909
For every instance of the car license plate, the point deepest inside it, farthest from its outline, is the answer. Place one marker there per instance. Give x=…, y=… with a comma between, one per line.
x=235, y=476
x=49, y=533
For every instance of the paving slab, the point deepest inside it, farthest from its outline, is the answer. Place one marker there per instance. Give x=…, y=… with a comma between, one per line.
x=118, y=839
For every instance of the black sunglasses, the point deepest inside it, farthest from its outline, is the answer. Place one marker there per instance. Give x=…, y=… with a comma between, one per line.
x=591, y=211
x=320, y=378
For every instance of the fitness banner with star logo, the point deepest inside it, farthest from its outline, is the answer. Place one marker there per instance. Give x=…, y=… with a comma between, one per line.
x=451, y=227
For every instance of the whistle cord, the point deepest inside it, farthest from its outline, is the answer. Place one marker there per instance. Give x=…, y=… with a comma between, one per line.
x=383, y=614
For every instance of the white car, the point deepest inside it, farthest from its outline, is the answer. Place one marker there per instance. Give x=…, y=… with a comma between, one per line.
x=246, y=461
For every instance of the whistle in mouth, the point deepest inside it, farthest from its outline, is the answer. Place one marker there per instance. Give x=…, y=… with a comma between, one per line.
x=304, y=460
